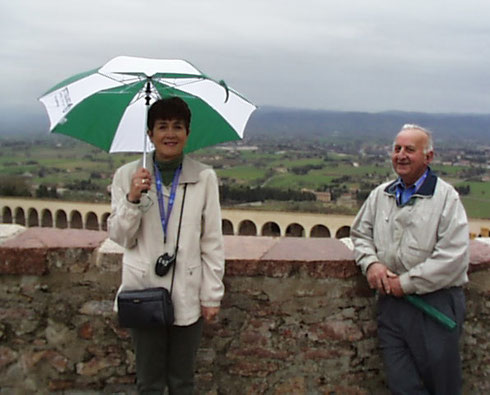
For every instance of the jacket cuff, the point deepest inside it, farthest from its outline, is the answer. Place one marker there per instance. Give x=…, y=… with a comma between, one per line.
x=143, y=204
x=407, y=284
x=366, y=262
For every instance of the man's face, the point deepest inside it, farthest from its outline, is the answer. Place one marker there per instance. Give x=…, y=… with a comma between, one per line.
x=408, y=157
x=169, y=137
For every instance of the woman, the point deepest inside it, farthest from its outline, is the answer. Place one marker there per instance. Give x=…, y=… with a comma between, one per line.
x=146, y=212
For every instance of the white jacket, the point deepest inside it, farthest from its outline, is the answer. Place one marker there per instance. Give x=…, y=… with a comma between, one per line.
x=200, y=260
x=425, y=241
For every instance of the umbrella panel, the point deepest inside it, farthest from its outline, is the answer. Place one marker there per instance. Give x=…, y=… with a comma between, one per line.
x=96, y=119
x=207, y=126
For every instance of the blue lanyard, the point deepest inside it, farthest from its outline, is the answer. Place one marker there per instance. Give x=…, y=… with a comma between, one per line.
x=161, y=203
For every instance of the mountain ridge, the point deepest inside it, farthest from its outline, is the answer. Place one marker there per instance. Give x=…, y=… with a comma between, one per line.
x=294, y=122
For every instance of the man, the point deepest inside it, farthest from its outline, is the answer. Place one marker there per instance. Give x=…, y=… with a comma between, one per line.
x=411, y=237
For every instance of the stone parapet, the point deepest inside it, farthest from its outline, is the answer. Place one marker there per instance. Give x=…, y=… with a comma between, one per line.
x=297, y=317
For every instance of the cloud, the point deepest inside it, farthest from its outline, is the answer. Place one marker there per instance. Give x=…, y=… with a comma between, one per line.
x=371, y=55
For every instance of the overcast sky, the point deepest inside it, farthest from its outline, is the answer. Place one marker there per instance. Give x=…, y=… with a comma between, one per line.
x=364, y=55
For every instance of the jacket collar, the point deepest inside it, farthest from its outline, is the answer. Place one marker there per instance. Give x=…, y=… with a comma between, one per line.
x=426, y=189
x=190, y=168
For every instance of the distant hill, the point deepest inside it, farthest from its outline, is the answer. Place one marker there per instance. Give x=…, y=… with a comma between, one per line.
x=384, y=125
x=287, y=122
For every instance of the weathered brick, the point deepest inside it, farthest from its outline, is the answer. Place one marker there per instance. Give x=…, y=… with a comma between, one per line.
x=60, y=385
x=293, y=385
x=98, y=308
x=336, y=330
x=276, y=269
x=253, y=368
x=257, y=352
x=54, y=358
x=23, y=261
x=73, y=260
x=343, y=390
x=86, y=331
x=335, y=269
x=322, y=353
x=96, y=364
x=7, y=356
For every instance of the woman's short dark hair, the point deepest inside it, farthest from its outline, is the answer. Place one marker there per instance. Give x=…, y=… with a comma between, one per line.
x=167, y=109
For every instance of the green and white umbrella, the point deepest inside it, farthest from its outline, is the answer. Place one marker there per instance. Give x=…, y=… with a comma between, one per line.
x=107, y=107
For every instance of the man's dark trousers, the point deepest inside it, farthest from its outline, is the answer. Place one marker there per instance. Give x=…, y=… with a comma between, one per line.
x=421, y=356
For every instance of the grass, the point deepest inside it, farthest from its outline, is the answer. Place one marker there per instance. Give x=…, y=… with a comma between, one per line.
x=74, y=161
x=476, y=208
x=242, y=173
x=477, y=202
x=315, y=179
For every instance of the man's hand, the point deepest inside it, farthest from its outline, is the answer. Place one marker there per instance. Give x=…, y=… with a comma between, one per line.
x=210, y=314
x=377, y=277
x=395, y=285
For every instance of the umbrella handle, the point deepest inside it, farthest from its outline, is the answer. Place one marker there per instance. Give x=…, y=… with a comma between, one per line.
x=431, y=311
x=147, y=103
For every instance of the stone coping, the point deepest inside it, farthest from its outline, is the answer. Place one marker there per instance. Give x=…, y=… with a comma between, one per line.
x=25, y=251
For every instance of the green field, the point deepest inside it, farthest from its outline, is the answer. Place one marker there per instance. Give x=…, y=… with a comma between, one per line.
x=242, y=174
x=477, y=203
x=59, y=163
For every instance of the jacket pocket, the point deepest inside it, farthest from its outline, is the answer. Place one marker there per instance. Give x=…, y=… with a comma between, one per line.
x=134, y=275
x=413, y=255
x=194, y=270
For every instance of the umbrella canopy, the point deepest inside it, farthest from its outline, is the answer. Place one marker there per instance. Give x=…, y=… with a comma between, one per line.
x=107, y=107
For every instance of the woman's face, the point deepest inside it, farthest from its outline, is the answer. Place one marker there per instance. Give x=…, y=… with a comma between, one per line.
x=169, y=137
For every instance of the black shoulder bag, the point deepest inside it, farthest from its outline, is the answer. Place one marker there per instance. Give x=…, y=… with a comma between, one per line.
x=151, y=307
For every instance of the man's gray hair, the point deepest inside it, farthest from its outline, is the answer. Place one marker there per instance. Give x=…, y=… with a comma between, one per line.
x=430, y=143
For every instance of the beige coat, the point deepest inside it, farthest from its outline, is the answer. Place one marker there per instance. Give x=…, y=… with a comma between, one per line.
x=426, y=243
x=200, y=259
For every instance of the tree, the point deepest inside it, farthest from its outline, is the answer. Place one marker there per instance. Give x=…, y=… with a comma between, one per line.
x=14, y=186
x=464, y=189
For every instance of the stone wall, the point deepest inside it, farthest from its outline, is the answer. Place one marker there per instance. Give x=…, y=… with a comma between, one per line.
x=297, y=318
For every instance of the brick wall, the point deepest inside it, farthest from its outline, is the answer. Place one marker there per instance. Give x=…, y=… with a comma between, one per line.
x=297, y=318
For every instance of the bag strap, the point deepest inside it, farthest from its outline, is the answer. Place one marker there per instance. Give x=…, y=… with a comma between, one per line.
x=178, y=237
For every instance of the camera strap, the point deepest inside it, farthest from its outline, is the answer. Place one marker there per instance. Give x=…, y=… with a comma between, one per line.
x=178, y=237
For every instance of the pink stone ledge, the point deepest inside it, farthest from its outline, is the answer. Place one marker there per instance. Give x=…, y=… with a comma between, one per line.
x=26, y=251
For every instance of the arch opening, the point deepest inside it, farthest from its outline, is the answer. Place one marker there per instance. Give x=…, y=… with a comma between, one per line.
x=342, y=232
x=46, y=219
x=61, y=220
x=20, y=216
x=91, y=221
x=33, y=218
x=6, y=215
x=76, y=220
x=320, y=231
x=227, y=227
x=247, y=228
x=295, y=230
x=271, y=229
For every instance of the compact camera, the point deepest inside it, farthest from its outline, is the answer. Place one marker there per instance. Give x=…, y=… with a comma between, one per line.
x=164, y=263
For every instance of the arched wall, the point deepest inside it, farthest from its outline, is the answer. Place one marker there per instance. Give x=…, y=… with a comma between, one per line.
x=74, y=215
x=81, y=215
